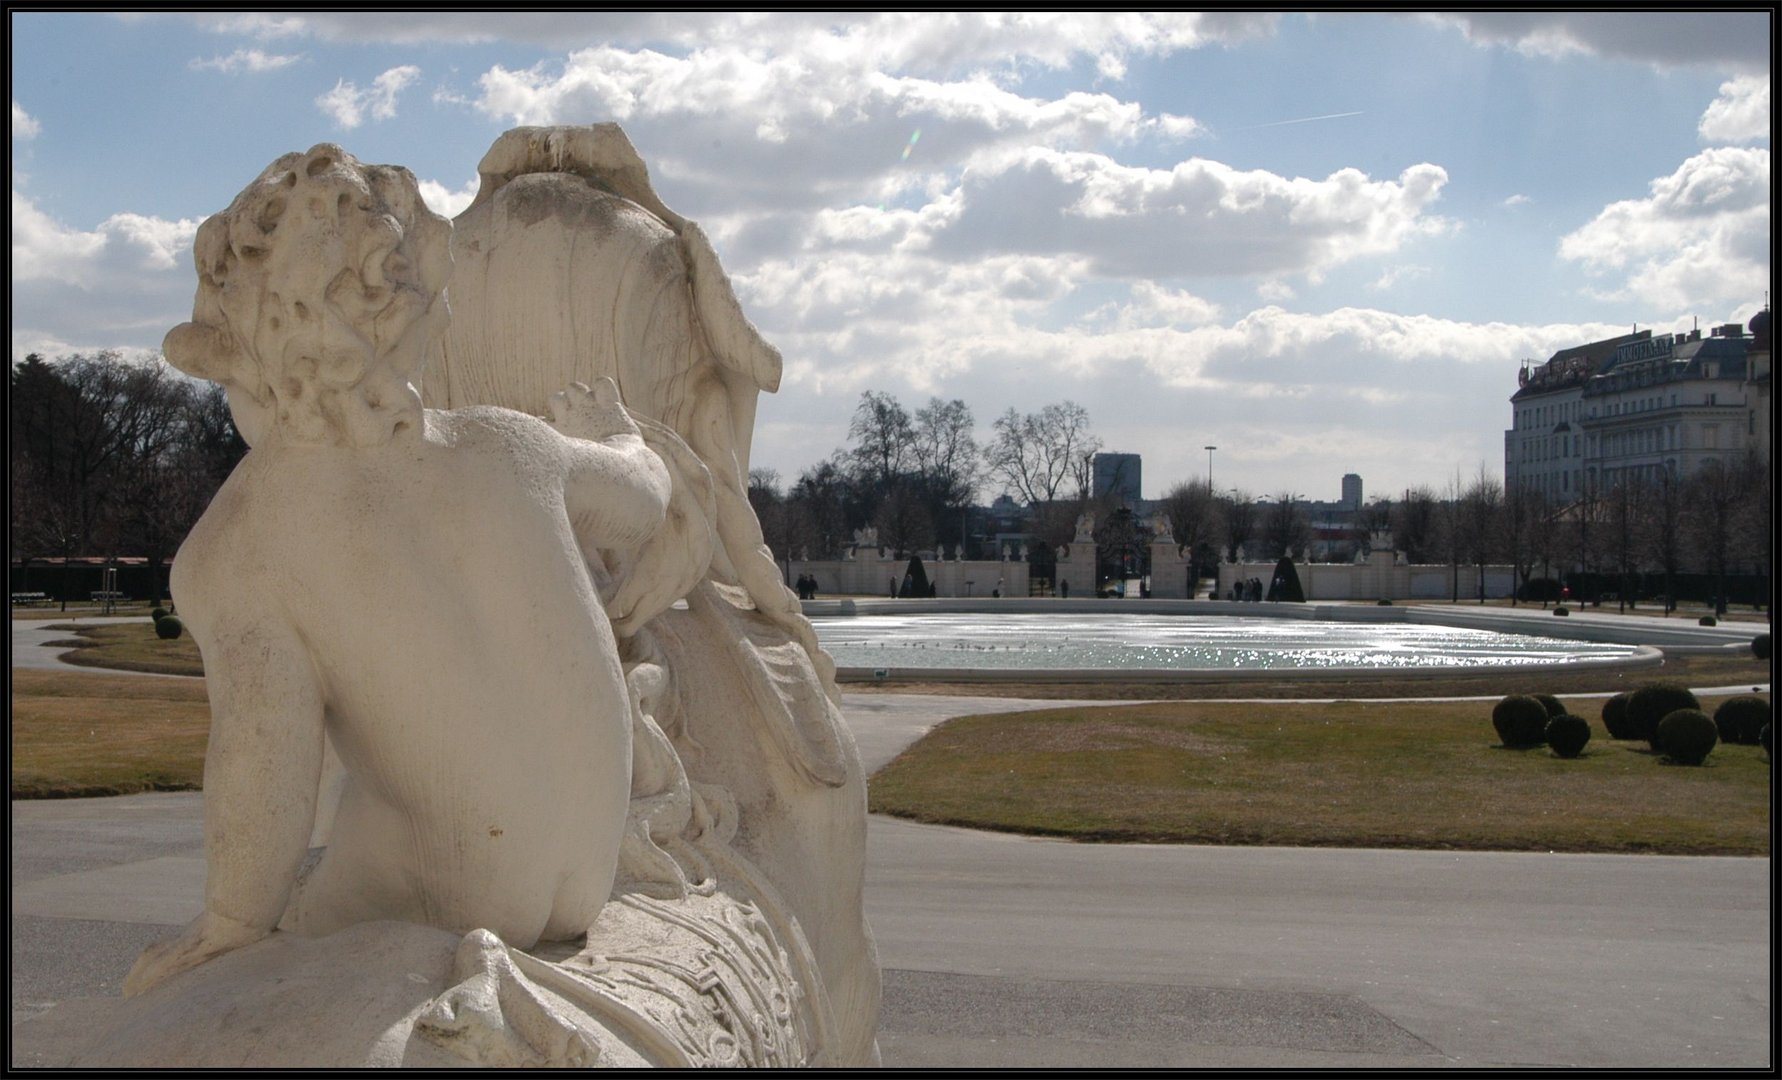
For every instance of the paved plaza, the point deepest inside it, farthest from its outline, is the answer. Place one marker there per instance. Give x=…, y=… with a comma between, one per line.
x=1012, y=951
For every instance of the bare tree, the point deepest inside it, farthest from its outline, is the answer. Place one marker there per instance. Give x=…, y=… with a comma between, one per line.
x=1756, y=524
x=112, y=456
x=817, y=508
x=902, y=520
x=769, y=504
x=1192, y=511
x=1481, y=520
x=884, y=439
x=1285, y=527
x=1662, y=531
x=1581, y=529
x=1038, y=456
x=947, y=461
x=1537, y=526
x=1451, y=514
x=1624, y=512
x=1414, y=524
x=1715, y=495
x=1238, y=517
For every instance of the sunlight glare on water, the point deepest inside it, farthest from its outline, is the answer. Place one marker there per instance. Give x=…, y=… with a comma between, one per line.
x=1177, y=643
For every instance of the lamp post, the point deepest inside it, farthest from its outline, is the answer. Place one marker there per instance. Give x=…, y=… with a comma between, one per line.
x=1210, y=450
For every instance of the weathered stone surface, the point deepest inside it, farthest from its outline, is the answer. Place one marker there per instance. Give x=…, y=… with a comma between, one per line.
x=467, y=756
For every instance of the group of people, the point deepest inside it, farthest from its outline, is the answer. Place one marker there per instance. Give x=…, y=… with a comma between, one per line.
x=807, y=587
x=1250, y=590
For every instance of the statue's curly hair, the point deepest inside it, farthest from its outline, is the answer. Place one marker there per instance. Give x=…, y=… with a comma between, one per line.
x=311, y=286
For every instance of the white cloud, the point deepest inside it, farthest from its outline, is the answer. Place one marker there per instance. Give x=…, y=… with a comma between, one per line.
x=1701, y=238
x=724, y=122
x=443, y=200
x=1720, y=40
x=24, y=126
x=922, y=42
x=1397, y=274
x=1155, y=305
x=1198, y=218
x=123, y=245
x=1275, y=291
x=1178, y=127
x=252, y=61
x=1518, y=200
x=1740, y=114
x=348, y=104
x=128, y=280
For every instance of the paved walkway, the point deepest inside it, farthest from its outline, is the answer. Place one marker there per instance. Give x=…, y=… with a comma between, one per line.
x=30, y=638
x=1004, y=951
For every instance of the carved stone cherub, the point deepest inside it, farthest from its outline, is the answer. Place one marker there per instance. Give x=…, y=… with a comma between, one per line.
x=420, y=590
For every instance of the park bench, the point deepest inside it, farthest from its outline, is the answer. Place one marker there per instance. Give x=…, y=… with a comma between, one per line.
x=28, y=599
x=107, y=594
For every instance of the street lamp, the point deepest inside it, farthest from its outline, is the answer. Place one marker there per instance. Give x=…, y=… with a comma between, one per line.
x=1210, y=450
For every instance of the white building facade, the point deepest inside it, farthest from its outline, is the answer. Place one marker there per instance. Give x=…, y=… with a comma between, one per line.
x=1629, y=408
x=1544, y=447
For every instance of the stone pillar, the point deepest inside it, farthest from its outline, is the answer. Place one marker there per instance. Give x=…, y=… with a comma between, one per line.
x=1076, y=565
x=1169, y=573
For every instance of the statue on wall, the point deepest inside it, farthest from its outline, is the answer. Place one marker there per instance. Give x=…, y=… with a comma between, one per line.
x=456, y=708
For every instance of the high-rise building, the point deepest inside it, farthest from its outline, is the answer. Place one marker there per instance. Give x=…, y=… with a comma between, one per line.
x=1117, y=475
x=1352, y=491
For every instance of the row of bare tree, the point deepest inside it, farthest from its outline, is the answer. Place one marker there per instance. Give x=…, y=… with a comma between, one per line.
x=914, y=477
x=1635, y=534
x=111, y=457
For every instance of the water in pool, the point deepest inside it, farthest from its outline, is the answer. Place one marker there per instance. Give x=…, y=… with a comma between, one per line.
x=1177, y=643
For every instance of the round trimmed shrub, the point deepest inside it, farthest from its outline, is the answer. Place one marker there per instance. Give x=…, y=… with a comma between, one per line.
x=1763, y=737
x=1707, y=620
x=1615, y=717
x=1652, y=703
x=1561, y=611
x=158, y=613
x=1382, y=603
x=1567, y=735
x=1520, y=720
x=1685, y=736
x=1551, y=704
x=1739, y=720
x=168, y=627
x=1760, y=646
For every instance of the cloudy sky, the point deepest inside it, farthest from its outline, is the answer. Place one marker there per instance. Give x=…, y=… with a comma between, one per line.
x=1323, y=243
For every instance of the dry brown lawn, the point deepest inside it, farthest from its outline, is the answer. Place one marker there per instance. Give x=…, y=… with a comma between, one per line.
x=80, y=734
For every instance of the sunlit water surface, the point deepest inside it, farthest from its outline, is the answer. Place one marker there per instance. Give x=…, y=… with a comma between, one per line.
x=1177, y=643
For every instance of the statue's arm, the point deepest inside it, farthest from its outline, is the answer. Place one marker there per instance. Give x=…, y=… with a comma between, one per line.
x=615, y=488
x=261, y=772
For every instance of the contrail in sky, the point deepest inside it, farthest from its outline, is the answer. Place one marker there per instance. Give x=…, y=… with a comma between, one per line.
x=1301, y=120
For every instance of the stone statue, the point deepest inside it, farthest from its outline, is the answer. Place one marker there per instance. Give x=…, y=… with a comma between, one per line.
x=570, y=268
x=1085, y=529
x=466, y=755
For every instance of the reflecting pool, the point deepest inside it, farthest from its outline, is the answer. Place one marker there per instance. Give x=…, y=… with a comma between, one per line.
x=1178, y=643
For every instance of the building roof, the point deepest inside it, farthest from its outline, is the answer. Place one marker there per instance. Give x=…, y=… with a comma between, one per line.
x=1671, y=361
x=1575, y=366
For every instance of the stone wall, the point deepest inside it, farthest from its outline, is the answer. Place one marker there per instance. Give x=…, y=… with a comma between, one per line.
x=878, y=574
x=1382, y=576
